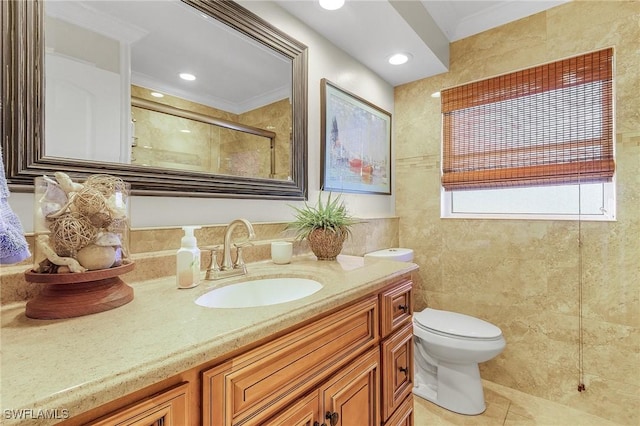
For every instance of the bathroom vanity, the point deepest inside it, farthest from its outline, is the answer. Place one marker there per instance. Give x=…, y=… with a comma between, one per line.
x=342, y=356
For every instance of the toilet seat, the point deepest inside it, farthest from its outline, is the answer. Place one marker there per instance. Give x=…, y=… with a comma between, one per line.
x=456, y=325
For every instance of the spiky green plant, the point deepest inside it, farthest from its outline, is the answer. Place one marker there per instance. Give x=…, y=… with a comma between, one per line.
x=332, y=216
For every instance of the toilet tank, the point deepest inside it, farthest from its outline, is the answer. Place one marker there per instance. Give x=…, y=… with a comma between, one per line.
x=397, y=254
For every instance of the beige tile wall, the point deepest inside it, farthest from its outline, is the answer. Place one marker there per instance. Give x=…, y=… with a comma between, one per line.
x=524, y=275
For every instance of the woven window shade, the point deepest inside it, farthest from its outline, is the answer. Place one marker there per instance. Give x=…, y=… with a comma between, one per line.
x=547, y=125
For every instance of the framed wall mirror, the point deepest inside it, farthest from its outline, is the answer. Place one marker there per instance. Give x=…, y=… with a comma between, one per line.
x=93, y=87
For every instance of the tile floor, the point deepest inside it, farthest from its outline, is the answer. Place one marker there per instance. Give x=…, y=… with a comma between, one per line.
x=507, y=406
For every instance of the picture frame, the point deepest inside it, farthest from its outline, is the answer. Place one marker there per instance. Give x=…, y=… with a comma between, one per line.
x=355, y=143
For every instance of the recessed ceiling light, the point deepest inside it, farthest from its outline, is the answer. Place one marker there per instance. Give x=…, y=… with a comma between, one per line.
x=331, y=4
x=187, y=76
x=399, y=58
x=157, y=95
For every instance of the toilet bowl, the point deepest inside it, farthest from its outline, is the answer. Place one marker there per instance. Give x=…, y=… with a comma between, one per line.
x=447, y=349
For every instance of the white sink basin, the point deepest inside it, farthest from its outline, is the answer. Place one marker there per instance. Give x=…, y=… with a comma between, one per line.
x=262, y=292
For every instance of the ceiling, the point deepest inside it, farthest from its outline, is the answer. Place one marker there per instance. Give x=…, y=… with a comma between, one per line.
x=373, y=30
x=368, y=30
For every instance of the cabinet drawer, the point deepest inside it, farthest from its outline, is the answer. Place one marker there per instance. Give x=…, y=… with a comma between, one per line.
x=254, y=385
x=397, y=369
x=167, y=408
x=396, y=305
x=404, y=415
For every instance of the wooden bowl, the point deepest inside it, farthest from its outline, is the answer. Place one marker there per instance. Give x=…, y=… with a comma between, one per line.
x=81, y=293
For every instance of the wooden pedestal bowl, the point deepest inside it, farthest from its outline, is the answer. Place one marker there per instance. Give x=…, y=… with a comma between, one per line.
x=76, y=294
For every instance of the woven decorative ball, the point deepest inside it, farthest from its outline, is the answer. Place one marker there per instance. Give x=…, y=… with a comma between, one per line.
x=106, y=184
x=89, y=201
x=71, y=232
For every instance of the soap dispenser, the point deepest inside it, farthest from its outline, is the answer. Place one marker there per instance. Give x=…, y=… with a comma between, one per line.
x=188, y=260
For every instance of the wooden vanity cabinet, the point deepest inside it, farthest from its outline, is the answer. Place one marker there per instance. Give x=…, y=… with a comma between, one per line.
x=350, y=367
x=255, y=386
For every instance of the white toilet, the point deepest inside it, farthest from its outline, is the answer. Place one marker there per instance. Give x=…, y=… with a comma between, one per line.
x=447, y=349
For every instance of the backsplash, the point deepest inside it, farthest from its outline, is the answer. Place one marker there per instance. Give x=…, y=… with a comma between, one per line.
x=154, y=251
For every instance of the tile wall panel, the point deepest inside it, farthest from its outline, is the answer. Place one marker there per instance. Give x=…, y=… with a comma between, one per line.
x=524, y=276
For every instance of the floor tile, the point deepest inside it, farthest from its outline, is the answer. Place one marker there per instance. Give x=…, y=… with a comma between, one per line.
x=506, y=407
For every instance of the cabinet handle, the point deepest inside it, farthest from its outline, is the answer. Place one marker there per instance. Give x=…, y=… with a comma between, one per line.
x=404, y=308
x=404, y=370
x=332, y=417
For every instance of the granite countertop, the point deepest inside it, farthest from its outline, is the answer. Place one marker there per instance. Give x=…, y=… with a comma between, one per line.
x=81, y=363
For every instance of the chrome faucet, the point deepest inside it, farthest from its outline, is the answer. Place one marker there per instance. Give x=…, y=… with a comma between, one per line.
x=229, y=268
x=226, y=256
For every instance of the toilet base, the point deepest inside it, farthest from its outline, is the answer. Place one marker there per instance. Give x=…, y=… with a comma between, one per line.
x=458, y=389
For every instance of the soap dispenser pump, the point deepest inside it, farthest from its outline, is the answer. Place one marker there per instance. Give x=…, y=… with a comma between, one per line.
x=188, y=260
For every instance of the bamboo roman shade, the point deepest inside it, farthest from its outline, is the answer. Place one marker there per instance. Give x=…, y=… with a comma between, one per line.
x=551, y=124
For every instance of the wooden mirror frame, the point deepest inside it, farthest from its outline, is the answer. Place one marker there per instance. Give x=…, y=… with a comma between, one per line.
x=22, y=105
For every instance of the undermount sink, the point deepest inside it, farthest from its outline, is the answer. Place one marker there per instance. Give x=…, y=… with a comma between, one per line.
x=261, y=292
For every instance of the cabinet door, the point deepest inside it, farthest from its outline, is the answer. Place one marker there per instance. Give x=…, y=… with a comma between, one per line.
x=168, y=408
x=351, y=397
x=403, y=415
x=397, y=369
x=305, y=412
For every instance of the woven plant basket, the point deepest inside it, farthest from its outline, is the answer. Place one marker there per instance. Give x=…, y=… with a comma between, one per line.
x=326, y=244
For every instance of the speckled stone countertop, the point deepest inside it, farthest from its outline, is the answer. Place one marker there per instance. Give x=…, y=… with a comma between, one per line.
x=81, y=363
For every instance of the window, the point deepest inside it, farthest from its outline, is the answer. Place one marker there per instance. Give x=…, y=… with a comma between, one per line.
x=538, y=137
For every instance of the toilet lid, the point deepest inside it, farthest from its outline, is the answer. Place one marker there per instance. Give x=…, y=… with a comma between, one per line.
x=456, y=324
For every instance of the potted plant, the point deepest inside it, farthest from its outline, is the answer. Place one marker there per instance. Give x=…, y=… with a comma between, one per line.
x=325, y=226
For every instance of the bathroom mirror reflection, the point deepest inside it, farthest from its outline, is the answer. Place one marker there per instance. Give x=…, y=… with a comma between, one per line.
x=98, y=52
x=113, y=100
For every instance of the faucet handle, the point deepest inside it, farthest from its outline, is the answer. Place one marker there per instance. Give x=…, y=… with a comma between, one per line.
x=213, y=267
x=239, y=263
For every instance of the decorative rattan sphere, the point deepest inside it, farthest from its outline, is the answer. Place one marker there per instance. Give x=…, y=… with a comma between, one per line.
x=89, y=201
x=71, y=232
x=106, y=184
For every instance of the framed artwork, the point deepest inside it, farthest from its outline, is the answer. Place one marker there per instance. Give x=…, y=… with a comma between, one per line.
x=356, y=143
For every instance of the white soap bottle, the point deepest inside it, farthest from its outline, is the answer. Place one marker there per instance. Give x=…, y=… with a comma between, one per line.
x=188, y=260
